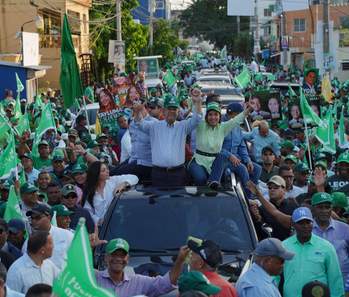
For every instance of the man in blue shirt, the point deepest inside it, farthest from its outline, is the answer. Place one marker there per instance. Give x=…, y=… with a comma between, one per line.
x=261, y=137
x=270, y=256
x=168, y=138
x=235, y=150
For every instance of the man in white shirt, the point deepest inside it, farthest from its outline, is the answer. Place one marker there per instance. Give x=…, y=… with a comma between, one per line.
x=287, y=174
x=33, y=267
x=40, y=219
x=27, y=163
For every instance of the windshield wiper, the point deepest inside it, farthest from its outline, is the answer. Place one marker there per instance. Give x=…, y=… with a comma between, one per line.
x=231, y=251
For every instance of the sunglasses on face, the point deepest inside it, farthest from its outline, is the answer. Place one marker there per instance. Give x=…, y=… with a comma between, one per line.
x=273, y=187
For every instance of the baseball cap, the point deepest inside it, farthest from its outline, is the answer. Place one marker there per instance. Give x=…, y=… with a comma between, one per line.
x=235, y=107
x=277, y=180
x=170, y=101
x=301, y=167
x=16, y=225
x=39, y=209
x=28, y=188
x=321, y=197
x=73, y=132
x=61, y=210
x=43, y=142
x=68, y=189
x=272, y=247
x=213, y=106
x=78, y=168
x=26, y=155
x=339, y=199
x=287, y=144
x=100, y=136
x=301, y=213
x=322, y=164
x=315, y=289
x=117, y=244
x=344, y=157
x=292, y=158
x=195, y=280
x=208, y=250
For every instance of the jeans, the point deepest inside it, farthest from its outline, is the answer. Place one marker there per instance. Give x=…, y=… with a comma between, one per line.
x=172, y=178
x=143, y=172
x=244, y=176
x=200, y=175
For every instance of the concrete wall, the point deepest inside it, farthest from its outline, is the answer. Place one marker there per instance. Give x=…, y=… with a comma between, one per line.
x=13, y=13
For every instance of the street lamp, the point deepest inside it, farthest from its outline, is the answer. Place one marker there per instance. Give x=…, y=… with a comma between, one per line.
x=39, y=23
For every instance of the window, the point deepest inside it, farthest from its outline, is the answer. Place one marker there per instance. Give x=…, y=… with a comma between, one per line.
x=345, y=66
x=266, y=31
x=50, y=35
x=74, y=22
x=267, y=12
x=160, y=4
x=299, y=25
x=344, y=38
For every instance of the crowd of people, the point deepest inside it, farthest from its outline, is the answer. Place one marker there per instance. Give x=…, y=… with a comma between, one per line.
x=172, y=136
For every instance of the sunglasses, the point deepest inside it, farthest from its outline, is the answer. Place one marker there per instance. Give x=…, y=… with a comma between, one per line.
x=273, y=187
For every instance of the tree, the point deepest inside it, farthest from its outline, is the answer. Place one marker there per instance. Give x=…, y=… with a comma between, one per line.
x=208, y=20
x=134, y=35
x=165, y=40
x=242, y=45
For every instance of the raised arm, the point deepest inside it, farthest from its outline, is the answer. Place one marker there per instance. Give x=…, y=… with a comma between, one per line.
x=283, y=219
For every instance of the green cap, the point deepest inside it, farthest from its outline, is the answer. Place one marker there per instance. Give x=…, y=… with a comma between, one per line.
x=344, y=157
x=213, y=106
x=339, y=199
x=196, y=281
x=292, y=158
x=28, y=188
x=322, y=164
x=43, y=142
x=68, y=189
x=78, y=168
x=102, y=135
x=282, y=124
x=92, y=144
x=61, y=210
x=287, y=144
x=43, y=195
x=170, y=101
x=321, y=197
x=117, y=244
x=301, y=167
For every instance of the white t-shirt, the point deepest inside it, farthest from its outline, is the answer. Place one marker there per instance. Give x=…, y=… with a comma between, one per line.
x=126, y=146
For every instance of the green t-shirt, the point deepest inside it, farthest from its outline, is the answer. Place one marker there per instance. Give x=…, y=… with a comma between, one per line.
x=40, y=163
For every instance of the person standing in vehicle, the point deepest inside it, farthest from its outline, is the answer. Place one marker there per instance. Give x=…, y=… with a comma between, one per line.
x=168, y=138
x=123, y=284
x=101, y=189
x=270, y=256
x=206, y=258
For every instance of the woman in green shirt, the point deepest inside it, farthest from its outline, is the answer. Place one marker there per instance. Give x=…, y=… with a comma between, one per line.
x=207, y=164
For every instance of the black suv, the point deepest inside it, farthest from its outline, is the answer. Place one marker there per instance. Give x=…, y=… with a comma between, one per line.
x=157, y=222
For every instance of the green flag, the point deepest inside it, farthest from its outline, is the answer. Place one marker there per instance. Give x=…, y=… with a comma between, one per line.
x=4, y=125
x=12, y=210
x=325, y=133
x=22, y=178
x=38, y=104
x=341, y=130
x=169, y=78
x=224, y=54
x=243, y=79
x=308, y=114
x=46, y=121
x=23, y=124
x=20, y=86
x=70, y=77
x=78, y=277
x=291, y=93
x=8, y=159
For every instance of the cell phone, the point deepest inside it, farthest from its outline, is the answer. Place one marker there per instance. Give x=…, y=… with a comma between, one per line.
x=196, y=240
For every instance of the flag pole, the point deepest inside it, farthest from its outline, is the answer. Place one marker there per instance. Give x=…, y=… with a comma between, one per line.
x=308, y=144
x=87, y=119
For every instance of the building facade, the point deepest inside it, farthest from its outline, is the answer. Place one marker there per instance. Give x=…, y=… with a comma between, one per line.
x=162, y=10
x=14, y=13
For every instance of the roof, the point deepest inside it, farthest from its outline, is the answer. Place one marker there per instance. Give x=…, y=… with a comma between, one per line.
x=37, y=68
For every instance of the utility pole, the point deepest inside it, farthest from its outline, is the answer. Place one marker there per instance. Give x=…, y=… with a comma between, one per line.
x=151, y=23
x=118, y=34
x=256, y=36
x=238, y=24
x=326, y=32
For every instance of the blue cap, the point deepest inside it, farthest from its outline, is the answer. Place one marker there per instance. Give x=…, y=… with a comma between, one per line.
x=16, y=225
x=302, y=213
x=235, y=107
x=272, y=247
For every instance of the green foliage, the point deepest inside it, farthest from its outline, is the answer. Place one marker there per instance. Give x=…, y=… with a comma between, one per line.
x=242, y=45
x=208, y=20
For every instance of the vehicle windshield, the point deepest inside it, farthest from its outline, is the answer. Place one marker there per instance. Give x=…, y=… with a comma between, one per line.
x=214, y=79
x=221, y=91
x=165, y=223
